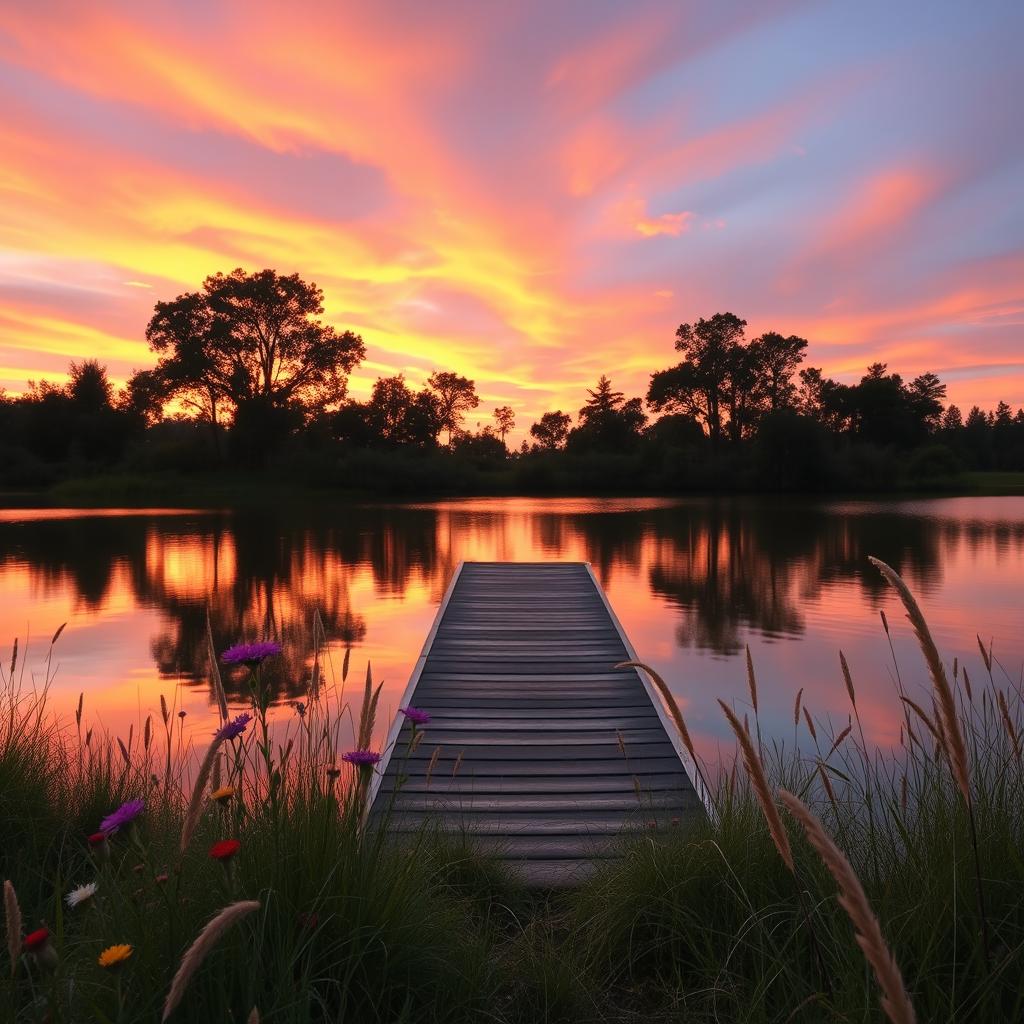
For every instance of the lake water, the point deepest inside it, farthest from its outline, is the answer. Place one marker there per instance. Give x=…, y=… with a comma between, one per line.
x=693, y=582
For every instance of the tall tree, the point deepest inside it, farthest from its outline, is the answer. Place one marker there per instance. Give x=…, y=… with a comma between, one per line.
x=714, y=375
x=926, y=395
x=505, y=418
x=456, y=395
x=608, y=421
x=603, y=401
x=551, y=430
x=777, y=359
x=253, y=342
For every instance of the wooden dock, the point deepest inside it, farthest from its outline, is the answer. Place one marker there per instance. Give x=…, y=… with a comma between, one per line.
x=545, y=753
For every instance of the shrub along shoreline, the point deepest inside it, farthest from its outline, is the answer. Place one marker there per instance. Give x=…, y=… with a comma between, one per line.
x=124, y=853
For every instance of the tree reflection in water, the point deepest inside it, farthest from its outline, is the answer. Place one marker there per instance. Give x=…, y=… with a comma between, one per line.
x=723, y=567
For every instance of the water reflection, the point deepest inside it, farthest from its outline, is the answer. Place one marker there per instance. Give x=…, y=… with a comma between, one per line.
x=711, y=575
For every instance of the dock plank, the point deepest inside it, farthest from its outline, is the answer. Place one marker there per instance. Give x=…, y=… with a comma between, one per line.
x=539, y=750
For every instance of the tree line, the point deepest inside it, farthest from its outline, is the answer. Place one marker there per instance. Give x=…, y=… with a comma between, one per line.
x=247, y=374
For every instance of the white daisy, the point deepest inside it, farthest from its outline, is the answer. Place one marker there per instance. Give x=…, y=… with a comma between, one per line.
x=82, y=894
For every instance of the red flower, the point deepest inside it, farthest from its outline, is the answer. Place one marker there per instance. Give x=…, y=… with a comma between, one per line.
x=97, y=838
x=37, y=940
x=224, y=849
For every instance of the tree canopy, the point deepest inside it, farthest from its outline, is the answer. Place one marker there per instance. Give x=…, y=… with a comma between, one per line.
x=252, y=344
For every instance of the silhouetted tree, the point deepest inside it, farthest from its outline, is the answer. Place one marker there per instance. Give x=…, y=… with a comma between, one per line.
x=551, y=430
x=608, y=421
x=776, y=360
x=456, y=395
x=700, y=384
x=505, y=418
x=252, y=342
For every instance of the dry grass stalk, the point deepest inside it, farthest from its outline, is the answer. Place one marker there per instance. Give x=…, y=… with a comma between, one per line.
x=796, y=706
x=810, y=724
x=923, y=715
x=839, y=739
x=147, y=732
x=903, y=795
x=848, y=679
x=755, y=770
x=670, y=702
x=895, y=1000
x=986, y=656
x=458, y=764
x=197, y=952
x=1011, y=731
x=368, y=712
x=826, y=782
x=967, y=686
x=195, y=805
x=956, y=748
x=164, y=713
x=432, y=764
x=218, y=683
x=12, y=919
x=751, y=680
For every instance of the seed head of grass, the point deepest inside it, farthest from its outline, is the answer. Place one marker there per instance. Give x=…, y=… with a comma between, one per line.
x=895, y=1000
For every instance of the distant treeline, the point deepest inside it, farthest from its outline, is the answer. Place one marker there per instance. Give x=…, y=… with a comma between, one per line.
x=258, y=383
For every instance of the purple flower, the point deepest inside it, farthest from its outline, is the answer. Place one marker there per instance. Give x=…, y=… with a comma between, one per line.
x=125, y=814
x=234, y=728
x=416, y=716
x=250, y=654
x=361, y=758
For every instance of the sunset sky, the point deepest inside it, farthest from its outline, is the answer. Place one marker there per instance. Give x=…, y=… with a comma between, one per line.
x=529, y=193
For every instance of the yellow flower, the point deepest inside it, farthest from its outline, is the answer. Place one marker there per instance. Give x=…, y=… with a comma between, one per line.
x=114, y=956
x=222, y=795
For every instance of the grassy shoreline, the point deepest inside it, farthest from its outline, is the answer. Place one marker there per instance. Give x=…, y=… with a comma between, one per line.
x=173, y=491
x=706, y=924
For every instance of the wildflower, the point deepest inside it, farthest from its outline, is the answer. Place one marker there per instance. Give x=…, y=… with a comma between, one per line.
x=224, y=849
x=124, y=815
x=361, y=758
x=182, y=714
x=162, y=877
x=99, y=847
x=114, y=956
x=250, y=654
x=223, y=795
x=234, y=728
x=300, y=709
x=39, y=947
x=416, y=716
x=82, y=894
x=307, y=919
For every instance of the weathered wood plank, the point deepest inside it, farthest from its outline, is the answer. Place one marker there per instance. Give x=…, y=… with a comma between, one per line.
x=539, y=749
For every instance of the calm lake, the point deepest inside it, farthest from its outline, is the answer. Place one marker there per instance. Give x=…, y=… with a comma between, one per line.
x=693, y=582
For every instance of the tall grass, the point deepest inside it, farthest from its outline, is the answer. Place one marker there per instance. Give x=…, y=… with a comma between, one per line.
x=710, y=923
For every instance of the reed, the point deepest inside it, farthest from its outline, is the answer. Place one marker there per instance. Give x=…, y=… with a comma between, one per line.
x=670, y=702
x=952, y=734
x=12, y=925
x=755, y=772
x=200, y=949
x=895, y=1001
